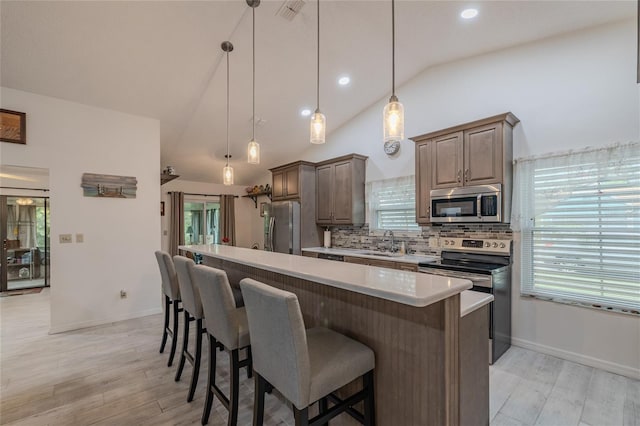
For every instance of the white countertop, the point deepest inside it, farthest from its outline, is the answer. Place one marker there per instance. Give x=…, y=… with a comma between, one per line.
x=410, y=288
x=370, y=254
x=471, y=300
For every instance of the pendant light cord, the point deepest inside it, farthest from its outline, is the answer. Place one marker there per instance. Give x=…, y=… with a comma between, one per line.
x=318, y=63
x=393, y=48
x=227, y=109
x=254, y=74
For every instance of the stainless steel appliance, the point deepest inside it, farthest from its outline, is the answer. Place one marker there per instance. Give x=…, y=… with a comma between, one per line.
x=282, y=227
x=487, y=264
x=481, y=203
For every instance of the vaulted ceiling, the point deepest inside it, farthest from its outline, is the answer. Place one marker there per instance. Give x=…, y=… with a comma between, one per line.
x=162, y=59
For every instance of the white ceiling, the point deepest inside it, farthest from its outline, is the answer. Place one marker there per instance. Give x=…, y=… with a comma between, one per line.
x=162, y=59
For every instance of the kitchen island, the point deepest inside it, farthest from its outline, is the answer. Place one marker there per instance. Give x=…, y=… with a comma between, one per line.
x=412, y=322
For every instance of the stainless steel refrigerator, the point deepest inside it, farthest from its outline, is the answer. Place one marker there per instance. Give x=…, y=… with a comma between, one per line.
x=282, y=227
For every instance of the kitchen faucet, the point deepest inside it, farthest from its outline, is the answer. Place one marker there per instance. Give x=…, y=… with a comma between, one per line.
x=390, y=232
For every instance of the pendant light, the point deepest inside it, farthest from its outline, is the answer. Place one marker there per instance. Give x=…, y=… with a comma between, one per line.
x=318, y=121
x=253, y=149
x=393, y=114
x=227, y=171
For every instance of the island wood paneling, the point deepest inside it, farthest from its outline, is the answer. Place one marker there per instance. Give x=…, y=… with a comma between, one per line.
x=416, y=376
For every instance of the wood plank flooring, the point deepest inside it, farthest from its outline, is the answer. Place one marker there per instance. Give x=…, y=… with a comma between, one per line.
x=114, y=375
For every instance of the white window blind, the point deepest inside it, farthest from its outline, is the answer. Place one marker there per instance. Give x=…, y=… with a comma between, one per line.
x=392, y=204
x=579, y=217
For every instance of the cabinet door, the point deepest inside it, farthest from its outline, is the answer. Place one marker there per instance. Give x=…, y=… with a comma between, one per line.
x=382, y=263
x=483, y=155
x=277, y=186
x=343, y=193
x=324, y=194
x=292, y=188
x=406, y=267
x=423, y=181
x=447, y=161
x=358, y=260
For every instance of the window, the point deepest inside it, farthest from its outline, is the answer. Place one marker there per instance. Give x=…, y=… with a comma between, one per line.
x=579, y=217
x=201, y=222
x=392, y=204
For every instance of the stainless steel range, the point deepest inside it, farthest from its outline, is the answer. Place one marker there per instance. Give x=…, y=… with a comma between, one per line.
x=487, y=264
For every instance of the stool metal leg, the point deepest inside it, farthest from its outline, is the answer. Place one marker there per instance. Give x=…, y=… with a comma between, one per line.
x=234, y=386
x=258, y=402
x=174, y=332
x=369, y=402
x=301, y=416
x=167, y=307
x=211, y=380
x=196, y=361
x=323, y=406
x=185, y=345
x=250, y=364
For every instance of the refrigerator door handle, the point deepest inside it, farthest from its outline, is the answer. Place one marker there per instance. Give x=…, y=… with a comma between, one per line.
x=272, y=225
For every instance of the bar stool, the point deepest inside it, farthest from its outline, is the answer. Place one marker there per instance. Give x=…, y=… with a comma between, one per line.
x=304, y=365
x=226, y=325
x=171, y=291
x=192, y=312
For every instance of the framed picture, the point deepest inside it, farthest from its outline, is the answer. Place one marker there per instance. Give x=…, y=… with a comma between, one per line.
x=262, y=206
x=13, y=126
x=161, y=208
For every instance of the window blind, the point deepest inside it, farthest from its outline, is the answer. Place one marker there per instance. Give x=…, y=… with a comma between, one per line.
x=392, y=204
x=581, y=227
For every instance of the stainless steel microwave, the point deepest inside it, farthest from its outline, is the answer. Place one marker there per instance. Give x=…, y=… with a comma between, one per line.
x=481, y=203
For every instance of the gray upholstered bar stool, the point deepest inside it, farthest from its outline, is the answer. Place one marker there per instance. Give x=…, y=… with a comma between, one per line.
x=304, y=365
x=192, y=312
x=226, y=325
x=171, y=291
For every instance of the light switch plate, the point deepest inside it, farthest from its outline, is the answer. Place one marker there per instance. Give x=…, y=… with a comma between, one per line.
x=79, y=238
x=65, y=238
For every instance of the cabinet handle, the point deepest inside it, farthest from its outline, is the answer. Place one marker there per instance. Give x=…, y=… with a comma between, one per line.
x=459, y=175
x=467, y=175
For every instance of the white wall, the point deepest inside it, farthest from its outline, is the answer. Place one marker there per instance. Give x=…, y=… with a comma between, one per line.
x=120, y=235
x=249, y=229
x=569, y=92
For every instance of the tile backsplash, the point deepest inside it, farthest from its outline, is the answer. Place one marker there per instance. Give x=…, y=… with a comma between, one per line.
x=359, y=237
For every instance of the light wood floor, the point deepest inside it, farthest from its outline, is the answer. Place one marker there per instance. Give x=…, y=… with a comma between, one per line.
x=114, y=375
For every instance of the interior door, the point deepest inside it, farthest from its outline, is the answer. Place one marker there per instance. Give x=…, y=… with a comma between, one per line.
x=3, y=238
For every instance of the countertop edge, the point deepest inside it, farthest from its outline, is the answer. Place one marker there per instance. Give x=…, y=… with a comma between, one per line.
x=347, y=252
x=393, y=297
x=473, y=300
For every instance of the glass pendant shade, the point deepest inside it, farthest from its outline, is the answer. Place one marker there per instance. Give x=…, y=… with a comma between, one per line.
x=253, y=152
x=227, y=175
x=318, y=126
x=393, y=116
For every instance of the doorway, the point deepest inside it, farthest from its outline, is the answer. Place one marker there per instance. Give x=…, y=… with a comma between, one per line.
x=201, y=222
x=24, y=232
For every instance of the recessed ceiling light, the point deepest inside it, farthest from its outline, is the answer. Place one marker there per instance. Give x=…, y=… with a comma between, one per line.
x=344, y=80
x=305, y=112
x=469, y=13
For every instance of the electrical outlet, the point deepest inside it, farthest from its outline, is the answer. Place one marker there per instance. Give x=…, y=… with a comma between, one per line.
x=123, y=294
x=79, y=238
x=65, y=238
x=434, y=242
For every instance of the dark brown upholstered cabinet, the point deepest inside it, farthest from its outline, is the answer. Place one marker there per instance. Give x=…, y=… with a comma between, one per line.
x=340, y=190
x=476, y=153
x=287, y=179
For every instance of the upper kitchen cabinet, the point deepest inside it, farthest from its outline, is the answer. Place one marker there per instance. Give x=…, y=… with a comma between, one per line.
x=288, y=180
x=340, y=190
x=476, y=153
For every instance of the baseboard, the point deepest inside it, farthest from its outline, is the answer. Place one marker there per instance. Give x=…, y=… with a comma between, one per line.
x=85, y=324
x=611, y=367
